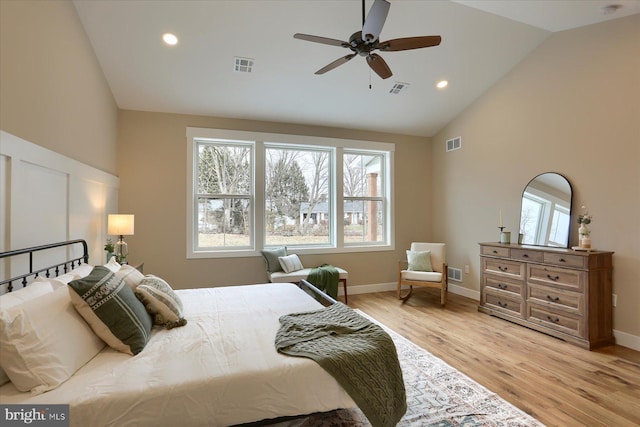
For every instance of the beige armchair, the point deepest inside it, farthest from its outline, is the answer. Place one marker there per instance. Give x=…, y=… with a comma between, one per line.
x=415, y=270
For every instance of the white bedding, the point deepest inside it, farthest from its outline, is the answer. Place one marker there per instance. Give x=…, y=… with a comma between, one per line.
x=220, y=369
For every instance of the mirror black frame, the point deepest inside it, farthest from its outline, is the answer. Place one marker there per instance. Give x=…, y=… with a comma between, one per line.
x=548, y=209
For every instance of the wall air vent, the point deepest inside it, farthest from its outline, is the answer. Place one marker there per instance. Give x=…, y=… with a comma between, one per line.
x=243, y=65
x=454, y=143
x=454, y=274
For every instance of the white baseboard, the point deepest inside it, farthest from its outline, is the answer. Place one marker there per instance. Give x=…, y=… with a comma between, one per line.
x=627, y=340
x=622, y=338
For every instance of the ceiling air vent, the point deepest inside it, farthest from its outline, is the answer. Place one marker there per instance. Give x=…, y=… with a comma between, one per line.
x=454, y=143
x=398, y=88
x=243, y=65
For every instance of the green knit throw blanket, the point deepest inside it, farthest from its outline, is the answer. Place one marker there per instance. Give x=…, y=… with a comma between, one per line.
x=359, y=354
x=325, y=278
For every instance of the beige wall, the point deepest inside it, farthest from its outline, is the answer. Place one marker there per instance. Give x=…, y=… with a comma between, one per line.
x=152, y=161
x=573, y=107
x=52, y=90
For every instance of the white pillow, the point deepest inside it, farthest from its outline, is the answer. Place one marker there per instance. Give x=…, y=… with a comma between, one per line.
x=36, y=289
x=17, y=297
x=44, y=342
x=290, y=263
x=130, y=275
x=113, y=265
x=56, y=282
x=82, y=270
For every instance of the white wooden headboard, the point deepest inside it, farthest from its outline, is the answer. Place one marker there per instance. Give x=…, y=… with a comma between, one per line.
x=47, y=197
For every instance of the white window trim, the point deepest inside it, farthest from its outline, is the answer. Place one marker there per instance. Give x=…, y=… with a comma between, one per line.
x=259, y=139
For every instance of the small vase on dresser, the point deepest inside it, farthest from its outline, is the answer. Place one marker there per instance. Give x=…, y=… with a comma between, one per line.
x=560, y=292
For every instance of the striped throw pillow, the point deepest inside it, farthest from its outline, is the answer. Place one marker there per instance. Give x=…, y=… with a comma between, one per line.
x=161, y=302
x=114, y=313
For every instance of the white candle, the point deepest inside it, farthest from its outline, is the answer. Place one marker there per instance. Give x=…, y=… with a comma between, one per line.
x=501, y=224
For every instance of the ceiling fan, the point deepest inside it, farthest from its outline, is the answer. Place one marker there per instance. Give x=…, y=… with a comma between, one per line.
x=364, y=42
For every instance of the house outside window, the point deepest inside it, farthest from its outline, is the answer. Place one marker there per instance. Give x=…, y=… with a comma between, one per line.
x=249, y=191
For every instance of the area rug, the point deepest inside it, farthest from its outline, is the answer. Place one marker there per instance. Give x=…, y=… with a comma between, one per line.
x=437, y=395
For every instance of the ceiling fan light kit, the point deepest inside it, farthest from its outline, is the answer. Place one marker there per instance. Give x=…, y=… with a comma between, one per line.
x=364, y=42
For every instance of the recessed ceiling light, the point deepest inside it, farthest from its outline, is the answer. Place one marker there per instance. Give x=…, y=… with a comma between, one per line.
x=170, y=39
x=442, y=84
x=609, y=9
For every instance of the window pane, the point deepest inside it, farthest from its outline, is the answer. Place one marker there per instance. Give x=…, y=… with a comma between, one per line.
x=224, y=169
x=530, y=220
x=223, y=222
x=362, y=175
x=363, y=221
x=297, y=208
x=559, y=235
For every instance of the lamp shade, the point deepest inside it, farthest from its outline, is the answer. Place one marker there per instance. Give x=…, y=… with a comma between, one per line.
x=120, y=225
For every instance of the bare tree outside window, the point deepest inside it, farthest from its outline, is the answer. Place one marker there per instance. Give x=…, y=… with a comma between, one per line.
x=292, y=201
x=297, y=197
x=224, y=195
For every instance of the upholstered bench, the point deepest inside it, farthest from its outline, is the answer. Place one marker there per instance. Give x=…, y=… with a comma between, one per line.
x=293, y=272
x=296, y=276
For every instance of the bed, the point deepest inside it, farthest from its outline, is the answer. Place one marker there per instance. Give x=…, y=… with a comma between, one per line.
x=221, y=368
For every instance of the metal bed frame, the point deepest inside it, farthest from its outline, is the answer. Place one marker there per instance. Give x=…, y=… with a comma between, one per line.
x=65, y=266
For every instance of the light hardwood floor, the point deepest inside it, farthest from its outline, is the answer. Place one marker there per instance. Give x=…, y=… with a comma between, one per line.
x=557, y=383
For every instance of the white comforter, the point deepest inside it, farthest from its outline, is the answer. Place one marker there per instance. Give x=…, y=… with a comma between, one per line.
x=220, y=369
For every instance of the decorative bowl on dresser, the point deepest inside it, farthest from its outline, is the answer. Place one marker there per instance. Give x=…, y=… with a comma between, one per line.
x=561, y=292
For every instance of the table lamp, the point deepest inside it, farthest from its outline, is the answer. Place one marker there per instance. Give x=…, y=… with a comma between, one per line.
x=120, y=225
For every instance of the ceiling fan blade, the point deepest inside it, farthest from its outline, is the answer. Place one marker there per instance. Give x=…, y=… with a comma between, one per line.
x=408, y=43
x=318, y=39
x=375, y=20
x=335, y=63
x=378, y=65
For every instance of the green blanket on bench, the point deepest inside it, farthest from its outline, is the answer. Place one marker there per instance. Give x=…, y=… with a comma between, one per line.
x=325, y=278
x=359, y=354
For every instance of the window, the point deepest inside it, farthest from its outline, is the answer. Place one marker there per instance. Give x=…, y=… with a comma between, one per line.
x=224, y=197
x=251, y=190
x=364, y=198
x=297, y=196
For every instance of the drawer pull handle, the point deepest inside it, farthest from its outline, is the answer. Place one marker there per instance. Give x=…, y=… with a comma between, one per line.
x=502, y=304
x=495, y=252
x=556, y=320
x=502, y=268
x=562, y=260
x=556, y=299
x=525, y=256
x=502, y=286
x=550, y=277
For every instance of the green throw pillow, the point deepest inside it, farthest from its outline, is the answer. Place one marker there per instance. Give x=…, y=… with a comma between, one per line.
x=161, y=302
x=114, y=313
x=271, y=258
x=419, y=260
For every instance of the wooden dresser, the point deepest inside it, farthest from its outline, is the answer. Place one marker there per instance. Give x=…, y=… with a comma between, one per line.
x=561, y=292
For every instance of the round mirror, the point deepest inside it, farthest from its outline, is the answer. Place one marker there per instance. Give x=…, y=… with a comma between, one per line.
x=545, y=217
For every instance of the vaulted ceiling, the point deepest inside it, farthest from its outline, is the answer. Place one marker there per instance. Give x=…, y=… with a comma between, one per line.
x=481, y=41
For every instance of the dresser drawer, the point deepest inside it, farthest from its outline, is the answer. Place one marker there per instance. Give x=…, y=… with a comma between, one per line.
x=556, y=299
x=564, y=260
x=504, y=268
x=502, y=301
x=557, y=277
x=566, y=323
x=495, y=251
x=515, y=287
x=526, y=255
